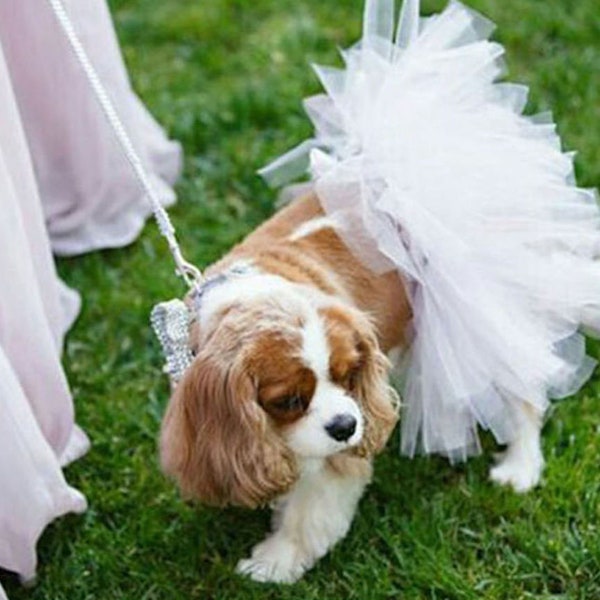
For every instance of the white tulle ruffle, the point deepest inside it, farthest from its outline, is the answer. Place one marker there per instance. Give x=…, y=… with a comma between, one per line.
x=474, y=203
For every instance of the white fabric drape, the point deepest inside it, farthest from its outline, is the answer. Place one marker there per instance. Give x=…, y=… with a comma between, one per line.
x=63, y=185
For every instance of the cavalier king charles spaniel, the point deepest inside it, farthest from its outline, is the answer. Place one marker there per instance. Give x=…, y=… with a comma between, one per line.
x=287, y=399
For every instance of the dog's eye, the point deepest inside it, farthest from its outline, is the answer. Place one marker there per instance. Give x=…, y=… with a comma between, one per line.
x=290, y=403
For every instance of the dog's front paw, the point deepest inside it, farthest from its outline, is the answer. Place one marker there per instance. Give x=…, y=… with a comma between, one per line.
x=522, y=471
x=275, y=560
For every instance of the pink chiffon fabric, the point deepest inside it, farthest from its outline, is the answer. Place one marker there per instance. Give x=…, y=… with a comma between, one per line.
x=64, y=186
x=90, y=200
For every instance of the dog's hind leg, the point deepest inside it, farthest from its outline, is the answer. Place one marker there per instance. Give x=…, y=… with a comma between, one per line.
x=521, y=465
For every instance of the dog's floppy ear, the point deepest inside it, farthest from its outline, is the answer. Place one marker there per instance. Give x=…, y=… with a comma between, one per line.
x=378, y=400
x=352, y=338
x=216, y=441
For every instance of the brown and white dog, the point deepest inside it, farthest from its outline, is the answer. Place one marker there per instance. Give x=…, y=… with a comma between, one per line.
x=287, y=399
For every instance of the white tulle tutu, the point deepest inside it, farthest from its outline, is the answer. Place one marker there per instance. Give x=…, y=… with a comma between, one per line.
x=476, y=206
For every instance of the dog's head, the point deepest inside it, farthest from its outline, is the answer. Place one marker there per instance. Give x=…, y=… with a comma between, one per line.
x=276, y=379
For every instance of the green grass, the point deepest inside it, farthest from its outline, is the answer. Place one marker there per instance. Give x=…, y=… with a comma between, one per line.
x=226, y=78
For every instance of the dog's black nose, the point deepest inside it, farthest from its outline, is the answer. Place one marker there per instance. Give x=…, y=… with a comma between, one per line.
x=341, y=427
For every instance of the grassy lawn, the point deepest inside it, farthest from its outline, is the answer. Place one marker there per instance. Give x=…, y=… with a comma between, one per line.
x=226, y=77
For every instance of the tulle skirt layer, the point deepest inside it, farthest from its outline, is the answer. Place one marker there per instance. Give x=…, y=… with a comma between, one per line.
x=474, y=204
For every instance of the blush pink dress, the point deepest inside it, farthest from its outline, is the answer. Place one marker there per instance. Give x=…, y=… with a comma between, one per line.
x=64, y=187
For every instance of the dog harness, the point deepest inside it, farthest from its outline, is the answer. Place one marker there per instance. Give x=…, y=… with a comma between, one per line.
x=172, y=320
